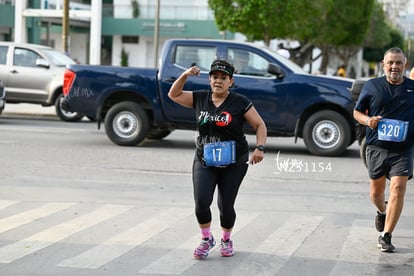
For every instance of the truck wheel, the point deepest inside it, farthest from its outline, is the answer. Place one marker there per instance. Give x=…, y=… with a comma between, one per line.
x=65, y=115
x=363, y=151
x=126, y=124
x=327, y=133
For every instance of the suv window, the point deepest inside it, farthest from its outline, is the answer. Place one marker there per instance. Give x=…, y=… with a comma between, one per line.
x=187, y=56
x=3, y=54
x=58, y=58
x=25, y=57
x=247, y=63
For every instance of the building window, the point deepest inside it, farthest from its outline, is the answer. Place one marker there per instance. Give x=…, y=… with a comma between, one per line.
x=130, y=39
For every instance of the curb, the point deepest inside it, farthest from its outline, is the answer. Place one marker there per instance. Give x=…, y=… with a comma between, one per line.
x=28, y=114
x=29, y=110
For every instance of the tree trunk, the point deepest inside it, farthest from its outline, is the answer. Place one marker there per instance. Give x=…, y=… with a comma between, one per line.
x=302, y=55
x=325, y=59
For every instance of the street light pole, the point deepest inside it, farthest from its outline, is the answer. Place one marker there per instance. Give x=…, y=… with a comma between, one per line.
x=65, y=27
x=156, y=32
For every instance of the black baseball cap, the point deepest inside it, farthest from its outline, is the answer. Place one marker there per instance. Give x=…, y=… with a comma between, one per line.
x=223, y=66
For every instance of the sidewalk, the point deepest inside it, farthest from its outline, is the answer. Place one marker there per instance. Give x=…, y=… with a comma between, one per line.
x=28, y=109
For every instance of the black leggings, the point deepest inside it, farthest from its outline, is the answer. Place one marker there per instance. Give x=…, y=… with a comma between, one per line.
x=228, y=181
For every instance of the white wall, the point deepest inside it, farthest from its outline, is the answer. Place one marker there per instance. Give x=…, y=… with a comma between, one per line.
x=136, y=52
x=123, y=8
x=78, y=45
x=139, y=55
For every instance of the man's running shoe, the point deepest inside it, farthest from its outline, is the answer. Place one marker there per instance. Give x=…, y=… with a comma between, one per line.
x=385, y=243
x=226, y=249
x=201, y=252
x=380, y=221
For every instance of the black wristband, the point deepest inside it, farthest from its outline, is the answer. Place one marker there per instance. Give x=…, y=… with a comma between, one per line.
x=261, y=148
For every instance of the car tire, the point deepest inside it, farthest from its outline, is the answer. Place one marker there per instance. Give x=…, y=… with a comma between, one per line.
x=126, y=124
x=326, y=133
x=65, y=115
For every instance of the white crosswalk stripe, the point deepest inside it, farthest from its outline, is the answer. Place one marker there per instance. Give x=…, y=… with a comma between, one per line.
x=125, y=241
x=363, y=237
x=177, y=260
x=19, y=249
x=285, y=240
x=6, y=203
x=161, y=240
x=360, y=248
x=31, y=215
x=280, y=245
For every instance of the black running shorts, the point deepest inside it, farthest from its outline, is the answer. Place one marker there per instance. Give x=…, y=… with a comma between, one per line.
x=389, y=163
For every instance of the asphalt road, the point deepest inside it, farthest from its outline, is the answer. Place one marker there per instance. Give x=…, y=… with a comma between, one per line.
x=73, y=203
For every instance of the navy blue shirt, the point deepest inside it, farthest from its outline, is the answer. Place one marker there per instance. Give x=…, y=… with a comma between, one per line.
x=223, y=123
x=381, y=98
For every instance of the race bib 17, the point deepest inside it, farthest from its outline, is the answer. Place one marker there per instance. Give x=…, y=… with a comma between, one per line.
x=220, y=153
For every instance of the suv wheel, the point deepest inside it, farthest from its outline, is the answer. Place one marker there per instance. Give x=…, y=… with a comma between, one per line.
x=66, y=115
x=327, y=133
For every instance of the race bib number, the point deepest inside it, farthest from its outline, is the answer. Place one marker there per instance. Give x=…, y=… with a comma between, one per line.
x=220, y=153
x=392, y=130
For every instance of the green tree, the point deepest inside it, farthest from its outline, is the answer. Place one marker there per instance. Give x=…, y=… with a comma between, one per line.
x=344, y=29
x=124, y=57
x=381, y=36
x=379, y=30
x=135, y=8
x=257, y=19
x=376, y=53
x=325, y=24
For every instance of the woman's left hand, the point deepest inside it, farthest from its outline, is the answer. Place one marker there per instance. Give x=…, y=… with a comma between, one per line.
x=257, y=157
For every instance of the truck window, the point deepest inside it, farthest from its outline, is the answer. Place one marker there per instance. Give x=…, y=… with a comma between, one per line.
x=3, y=54
x=247, y=63
x=24, y=57
x=187, y=56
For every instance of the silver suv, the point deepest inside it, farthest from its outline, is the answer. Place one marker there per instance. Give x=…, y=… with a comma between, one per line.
x=34, y=74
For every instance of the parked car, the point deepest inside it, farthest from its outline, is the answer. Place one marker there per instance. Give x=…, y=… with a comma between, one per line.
x=2, y=97
x=133, y=103
x=34, y=74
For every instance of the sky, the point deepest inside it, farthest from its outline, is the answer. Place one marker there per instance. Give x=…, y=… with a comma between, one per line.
x=410, y=7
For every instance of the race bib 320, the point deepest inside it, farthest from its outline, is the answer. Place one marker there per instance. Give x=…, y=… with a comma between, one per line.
x=392, y=130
